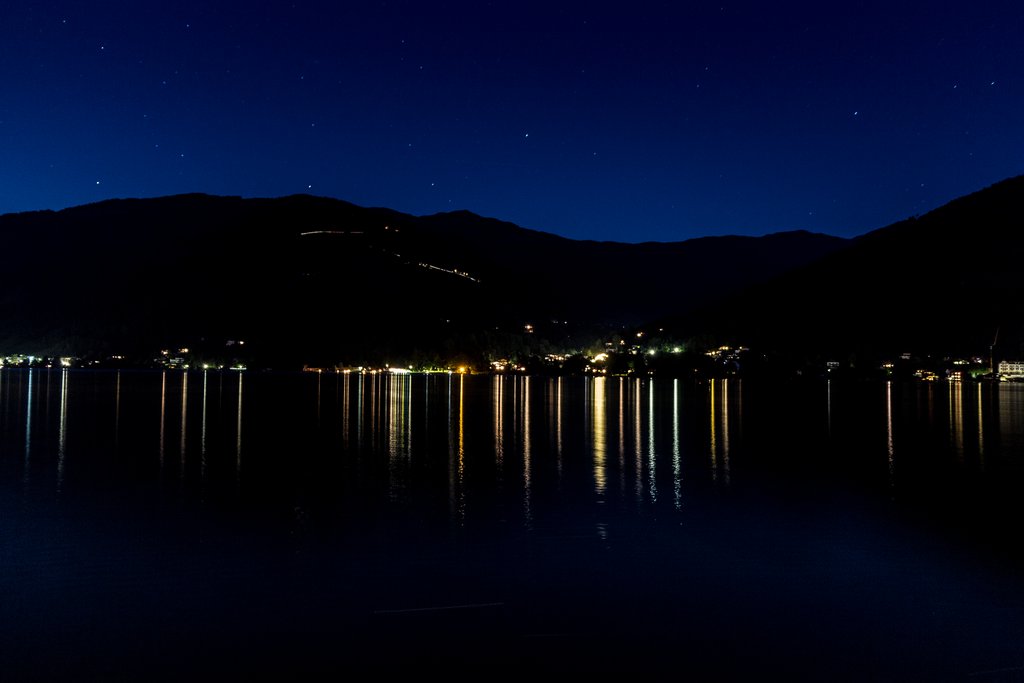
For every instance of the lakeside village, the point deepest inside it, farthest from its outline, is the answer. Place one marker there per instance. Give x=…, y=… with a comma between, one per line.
x=634, y=356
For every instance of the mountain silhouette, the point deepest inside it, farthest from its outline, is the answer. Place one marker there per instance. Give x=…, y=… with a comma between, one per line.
x=942, y=283
x=322, y=280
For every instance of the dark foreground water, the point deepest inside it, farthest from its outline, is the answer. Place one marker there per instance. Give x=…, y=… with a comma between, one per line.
x=264, y=526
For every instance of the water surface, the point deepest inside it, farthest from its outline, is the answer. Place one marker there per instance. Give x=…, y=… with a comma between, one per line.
x=162, y=524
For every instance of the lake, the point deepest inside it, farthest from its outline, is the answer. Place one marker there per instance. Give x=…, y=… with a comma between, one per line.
x=260, y=526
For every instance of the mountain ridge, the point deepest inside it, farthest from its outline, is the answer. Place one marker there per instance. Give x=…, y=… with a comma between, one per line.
x=939, y=283
x=296, y=271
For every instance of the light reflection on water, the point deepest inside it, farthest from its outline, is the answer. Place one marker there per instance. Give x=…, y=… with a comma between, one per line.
x=651, y=454
x=163, y=412
x=722, y=393
x=598, y=408
x=62, y=429
x=677, y=483
x=536, y=441
x=476, y=510
x=28, y=427
x=238, y=430
x=956, y=417
x=888, y=430
x=184, y=418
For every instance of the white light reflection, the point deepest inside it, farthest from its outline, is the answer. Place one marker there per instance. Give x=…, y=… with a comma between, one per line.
x=345, y=409
x=527, y=464
x=622, y=436
x=677, y=478
x=359, y=412
x=725, y=430
x=117, y=410
x=888, y=428
x=202, y=433
x=981, y=433
x=184, y=416
x=461, y=501
x=637, y=448
x=62, y=433
x=238, y=428
x=28, y=429
x=558, y=426
x=427, y=383
x=828, y=404
x=652, y=482
x=394, y=419
x=163, y=412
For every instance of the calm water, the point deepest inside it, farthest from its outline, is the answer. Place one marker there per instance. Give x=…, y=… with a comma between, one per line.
x=164, y=525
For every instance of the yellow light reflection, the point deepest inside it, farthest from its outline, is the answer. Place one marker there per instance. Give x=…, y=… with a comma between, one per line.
x=374, y=427
x=319, y=382
x=498, y=410
x=956, y=417
x=456, y=455
x=398, y=428
x=720, y=404
x=714, y=436
x=599, y=437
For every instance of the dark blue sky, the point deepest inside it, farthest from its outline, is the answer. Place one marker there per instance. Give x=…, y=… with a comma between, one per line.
x=627, y=121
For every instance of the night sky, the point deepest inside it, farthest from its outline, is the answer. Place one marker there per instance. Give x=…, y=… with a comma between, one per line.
x=626, y=121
